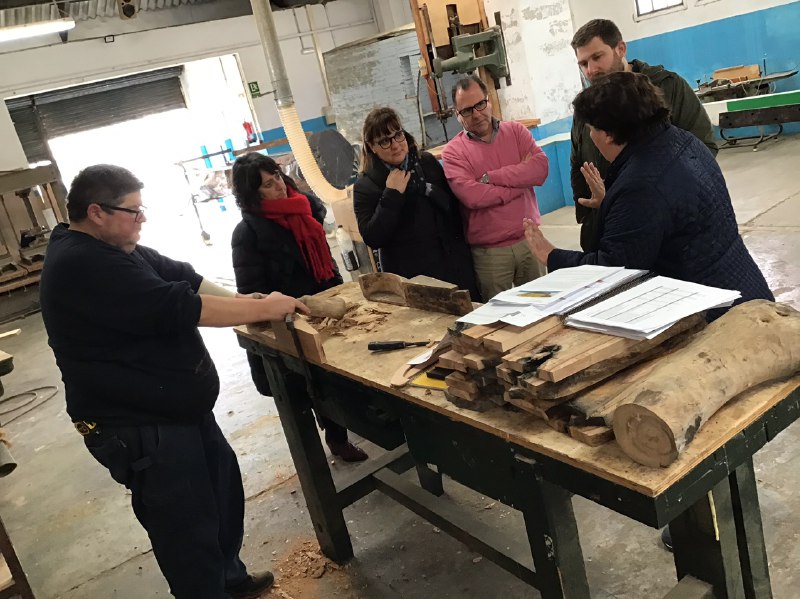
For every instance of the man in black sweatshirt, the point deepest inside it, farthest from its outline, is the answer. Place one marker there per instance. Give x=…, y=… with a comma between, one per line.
x=140, y=385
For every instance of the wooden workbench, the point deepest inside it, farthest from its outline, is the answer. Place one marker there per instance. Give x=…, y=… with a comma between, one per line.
x=517, y=459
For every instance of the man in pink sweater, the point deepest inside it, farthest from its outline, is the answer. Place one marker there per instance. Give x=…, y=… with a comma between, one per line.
x=491, y=167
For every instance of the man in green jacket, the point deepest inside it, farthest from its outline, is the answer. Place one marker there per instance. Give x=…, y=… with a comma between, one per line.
x=600, y=50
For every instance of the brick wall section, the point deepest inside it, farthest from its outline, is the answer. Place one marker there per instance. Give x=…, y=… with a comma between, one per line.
x=370, y=74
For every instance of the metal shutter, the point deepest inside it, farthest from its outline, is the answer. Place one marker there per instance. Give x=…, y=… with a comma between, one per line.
x=93, y=105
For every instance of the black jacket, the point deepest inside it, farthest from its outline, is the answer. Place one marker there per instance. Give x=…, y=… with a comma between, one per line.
x=418, y=232
x=123, y=328
x=667, y=209
x=266, y=258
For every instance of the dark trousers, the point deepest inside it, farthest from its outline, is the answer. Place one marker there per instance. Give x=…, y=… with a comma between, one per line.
x=187, y=493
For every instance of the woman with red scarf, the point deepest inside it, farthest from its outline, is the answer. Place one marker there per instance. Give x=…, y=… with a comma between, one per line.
x=280, y=245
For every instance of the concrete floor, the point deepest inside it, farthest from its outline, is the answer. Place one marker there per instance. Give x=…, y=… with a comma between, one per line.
x=76, y=536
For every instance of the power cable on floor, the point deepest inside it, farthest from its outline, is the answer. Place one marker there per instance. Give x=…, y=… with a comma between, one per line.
x=37, y=393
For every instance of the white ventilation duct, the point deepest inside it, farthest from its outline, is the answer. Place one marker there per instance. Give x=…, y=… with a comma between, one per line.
x=286, y=107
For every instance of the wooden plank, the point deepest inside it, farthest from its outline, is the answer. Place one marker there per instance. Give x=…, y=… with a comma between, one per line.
x=457, y=380
x=477, y=361
x=18, y=283
x=567, y=363
x=591, y=435
x=643, y=350
x=462, y=394
x=510, y=337
x=310, y=339
x=453, y=361
x=570, y=343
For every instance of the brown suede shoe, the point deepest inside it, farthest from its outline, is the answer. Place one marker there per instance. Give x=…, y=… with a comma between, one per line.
x=348, y=452
x=252, y=586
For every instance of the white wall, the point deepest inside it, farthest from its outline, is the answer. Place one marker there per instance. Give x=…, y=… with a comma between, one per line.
x=393, y=13
x=544, y=76
x=11, y=155
x=622, y=13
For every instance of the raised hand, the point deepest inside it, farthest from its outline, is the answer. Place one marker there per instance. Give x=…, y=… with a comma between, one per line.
x=398, y=179
x=537, y=242
x=596, y=186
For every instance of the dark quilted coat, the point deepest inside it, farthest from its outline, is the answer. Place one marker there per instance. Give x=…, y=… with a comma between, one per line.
x=667, y=209
x=266, y=258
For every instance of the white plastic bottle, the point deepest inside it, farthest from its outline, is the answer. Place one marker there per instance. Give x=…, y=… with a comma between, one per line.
x=347, y=249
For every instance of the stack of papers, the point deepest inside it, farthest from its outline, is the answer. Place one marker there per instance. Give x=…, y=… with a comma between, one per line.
x=555, y=293
x=650, y=308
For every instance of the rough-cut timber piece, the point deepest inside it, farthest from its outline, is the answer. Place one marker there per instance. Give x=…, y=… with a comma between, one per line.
x=463, y=394
x=453, y=361
x=504, y=373
x=431, y=282
x=481, y=361
x=473, y=336
x=325, y=307
x=509, y=337
x=591, y=435
x=383, y=287
x=596, y=349
x=754, y=342
x=310, y=339
x=457, y=380
x=435, y=298
x=599, y=372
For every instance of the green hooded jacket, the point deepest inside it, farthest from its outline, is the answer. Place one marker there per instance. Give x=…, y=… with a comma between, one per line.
x=686, y=112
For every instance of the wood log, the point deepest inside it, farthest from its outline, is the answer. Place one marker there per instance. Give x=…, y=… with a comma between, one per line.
x=754, y=342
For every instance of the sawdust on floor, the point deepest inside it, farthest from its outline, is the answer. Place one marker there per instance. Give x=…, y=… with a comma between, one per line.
x=300, y=573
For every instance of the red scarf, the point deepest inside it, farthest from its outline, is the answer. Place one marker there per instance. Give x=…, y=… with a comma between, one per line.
x=294, y=213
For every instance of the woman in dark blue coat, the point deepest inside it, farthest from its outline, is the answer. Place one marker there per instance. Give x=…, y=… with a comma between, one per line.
x=667, y=208
x=280, y=245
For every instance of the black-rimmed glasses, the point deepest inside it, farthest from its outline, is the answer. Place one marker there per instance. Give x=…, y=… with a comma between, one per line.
x=386, y=142
x=480, y=107
x=139, y=212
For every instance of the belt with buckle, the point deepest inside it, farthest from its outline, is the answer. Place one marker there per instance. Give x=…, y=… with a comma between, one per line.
x=86, y=428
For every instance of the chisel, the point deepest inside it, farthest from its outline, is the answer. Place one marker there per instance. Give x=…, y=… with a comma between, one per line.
x=390, y=345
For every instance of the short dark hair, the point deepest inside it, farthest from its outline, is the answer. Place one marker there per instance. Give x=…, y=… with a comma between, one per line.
x=99, y=184
x=603, y=28
x=246, y=179
x=379, y=123
x=466, y=82
x=622, y=104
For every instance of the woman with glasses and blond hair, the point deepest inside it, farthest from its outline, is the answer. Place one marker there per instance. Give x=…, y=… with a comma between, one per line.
x=405, y=208
x=280, y=245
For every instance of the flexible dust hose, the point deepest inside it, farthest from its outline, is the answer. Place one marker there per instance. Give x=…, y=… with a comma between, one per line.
x=286, y=107
x=302, y=153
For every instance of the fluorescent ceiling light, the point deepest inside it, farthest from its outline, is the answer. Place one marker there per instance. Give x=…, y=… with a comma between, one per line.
x=21, y=32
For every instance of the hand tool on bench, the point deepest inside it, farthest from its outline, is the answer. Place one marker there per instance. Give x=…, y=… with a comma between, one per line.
x=392, y=345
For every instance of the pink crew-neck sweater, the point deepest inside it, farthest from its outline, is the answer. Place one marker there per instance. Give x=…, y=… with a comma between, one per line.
x=493, y=212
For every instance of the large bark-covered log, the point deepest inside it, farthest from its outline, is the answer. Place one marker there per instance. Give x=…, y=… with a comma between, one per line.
x=659, y=416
